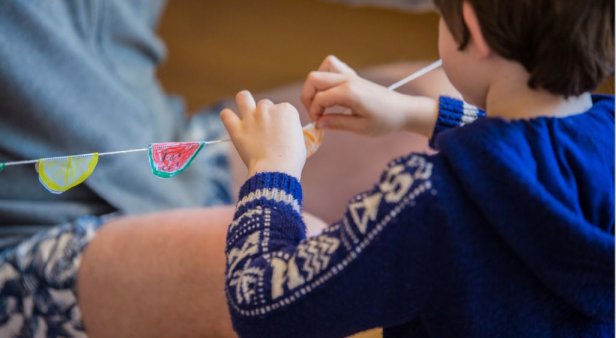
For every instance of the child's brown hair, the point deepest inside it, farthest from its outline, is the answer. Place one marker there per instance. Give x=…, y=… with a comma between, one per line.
x=567, y=46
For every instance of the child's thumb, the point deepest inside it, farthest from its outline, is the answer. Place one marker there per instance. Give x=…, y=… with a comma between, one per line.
x=343, y=122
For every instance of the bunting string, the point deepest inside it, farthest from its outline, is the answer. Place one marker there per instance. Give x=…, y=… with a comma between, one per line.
x=110, y=153
x=61, y=173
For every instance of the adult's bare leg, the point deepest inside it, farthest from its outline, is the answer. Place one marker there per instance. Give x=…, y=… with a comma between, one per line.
x=159, y=275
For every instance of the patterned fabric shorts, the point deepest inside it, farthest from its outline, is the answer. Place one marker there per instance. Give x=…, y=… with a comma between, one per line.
x=38, y=281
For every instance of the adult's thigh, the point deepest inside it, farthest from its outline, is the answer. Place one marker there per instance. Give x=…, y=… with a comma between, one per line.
x=159, y=275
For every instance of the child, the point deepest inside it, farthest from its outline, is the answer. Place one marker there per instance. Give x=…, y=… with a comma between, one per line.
x=508, y=231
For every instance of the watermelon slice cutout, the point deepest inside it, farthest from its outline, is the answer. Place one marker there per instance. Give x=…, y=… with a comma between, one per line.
x=170, y=159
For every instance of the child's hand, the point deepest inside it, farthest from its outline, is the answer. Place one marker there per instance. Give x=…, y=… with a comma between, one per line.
x=267, y=136
x=374, y=110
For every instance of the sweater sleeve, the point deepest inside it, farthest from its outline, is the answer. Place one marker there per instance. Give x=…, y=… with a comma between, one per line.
x=370, y=269
x=453, y=113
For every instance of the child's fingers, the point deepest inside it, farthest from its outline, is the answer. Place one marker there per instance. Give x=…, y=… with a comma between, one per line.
x=245, y=102
x=337, y=96
x=264, y=105
x=231, y=121
x=333, y=64
x=343, y=122
x=319, y=81
x=263, y=110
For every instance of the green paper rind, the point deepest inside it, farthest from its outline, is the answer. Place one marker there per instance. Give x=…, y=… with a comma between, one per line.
x=164, y=174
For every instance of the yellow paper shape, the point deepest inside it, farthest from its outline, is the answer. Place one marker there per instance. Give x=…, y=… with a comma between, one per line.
x=313, y=137
x=60, y=175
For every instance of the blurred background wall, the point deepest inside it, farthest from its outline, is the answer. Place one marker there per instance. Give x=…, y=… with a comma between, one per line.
x=217, y=48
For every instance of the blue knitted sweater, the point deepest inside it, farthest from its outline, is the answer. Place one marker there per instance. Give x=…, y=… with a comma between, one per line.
x=508, y=231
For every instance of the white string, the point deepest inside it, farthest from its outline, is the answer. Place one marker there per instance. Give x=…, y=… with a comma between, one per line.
x=416, y=75
x=411, y=77
x=139, y=150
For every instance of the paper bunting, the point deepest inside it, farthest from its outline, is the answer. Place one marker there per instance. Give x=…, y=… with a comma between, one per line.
x=170, y=159
x=60, y=175
x=313, y=137
x=167, y=160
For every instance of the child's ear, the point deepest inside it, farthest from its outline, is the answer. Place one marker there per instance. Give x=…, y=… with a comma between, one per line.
x=472, y=23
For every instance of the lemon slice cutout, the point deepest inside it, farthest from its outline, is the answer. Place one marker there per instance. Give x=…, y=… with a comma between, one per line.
x=60, y=175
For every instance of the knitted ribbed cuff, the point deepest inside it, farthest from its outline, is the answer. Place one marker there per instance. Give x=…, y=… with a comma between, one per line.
x=271, y=188
x=453, y=113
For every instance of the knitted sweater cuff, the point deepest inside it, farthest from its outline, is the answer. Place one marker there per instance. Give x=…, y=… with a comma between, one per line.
x=453, y=113
x=271, y=189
